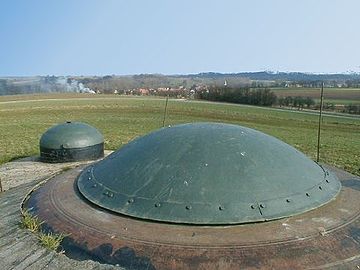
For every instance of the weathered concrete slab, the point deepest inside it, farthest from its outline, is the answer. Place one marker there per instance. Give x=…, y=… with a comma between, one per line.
x=28, y=169
x=19, y=248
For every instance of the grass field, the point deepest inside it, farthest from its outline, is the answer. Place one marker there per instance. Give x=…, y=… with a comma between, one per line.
x=121, y=119
x=334, y=95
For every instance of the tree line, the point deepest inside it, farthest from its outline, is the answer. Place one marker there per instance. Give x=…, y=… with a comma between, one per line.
x=264, y=97
x=297, y=102
x=241, y=95
x=352, y=108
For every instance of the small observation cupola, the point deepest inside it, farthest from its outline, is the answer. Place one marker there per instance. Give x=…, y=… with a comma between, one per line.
x=71, y=141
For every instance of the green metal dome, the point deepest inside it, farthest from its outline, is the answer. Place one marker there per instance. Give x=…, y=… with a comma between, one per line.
x=71, y=141
x=208, y=173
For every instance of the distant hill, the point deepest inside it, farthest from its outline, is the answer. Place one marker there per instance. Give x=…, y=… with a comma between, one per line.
x=282, y=76
x=110, y=83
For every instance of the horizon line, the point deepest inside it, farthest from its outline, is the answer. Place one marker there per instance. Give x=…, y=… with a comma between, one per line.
x=190, y=74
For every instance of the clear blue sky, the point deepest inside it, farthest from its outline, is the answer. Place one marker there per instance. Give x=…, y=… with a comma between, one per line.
x=89, y=37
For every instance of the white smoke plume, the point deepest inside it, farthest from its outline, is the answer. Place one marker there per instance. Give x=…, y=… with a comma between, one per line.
x=72, y=85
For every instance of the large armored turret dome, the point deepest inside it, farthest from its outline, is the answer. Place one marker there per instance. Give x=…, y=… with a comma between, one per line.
x=71, y=141
x=208, y=173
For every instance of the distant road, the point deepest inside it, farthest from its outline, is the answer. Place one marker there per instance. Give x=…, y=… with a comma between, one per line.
x=327, y=114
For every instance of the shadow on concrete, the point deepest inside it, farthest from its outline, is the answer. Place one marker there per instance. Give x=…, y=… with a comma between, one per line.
x=105, y=253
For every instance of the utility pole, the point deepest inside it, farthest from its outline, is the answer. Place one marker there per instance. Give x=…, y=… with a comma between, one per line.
x=320, y=118
x=166, y=104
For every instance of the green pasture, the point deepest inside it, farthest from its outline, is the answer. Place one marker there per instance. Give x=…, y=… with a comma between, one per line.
x=122, y=119
x=334, y=95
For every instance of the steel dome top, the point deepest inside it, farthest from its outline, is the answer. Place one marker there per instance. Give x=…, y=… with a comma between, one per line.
x=207, y=173
x=71, y=141
x=71, y=135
